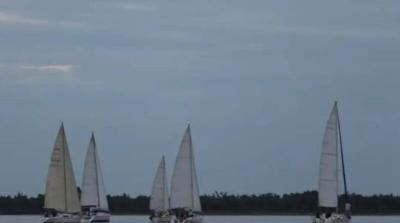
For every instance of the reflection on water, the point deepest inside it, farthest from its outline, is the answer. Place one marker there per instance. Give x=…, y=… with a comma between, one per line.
x=220, y=219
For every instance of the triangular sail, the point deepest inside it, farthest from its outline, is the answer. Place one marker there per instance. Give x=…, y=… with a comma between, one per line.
x=159, y=200
x=61, y=191
x=328, y=170
x=196, y=193
x=184, y=186
x=93, y=191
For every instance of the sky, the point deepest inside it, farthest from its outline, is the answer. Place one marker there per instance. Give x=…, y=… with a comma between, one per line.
x=256, y=80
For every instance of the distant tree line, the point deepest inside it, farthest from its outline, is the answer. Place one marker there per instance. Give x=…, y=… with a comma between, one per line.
x=223, y=203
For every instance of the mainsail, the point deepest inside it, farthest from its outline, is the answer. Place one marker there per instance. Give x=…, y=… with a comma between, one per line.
x=159, y=200
x=328, y=170
x=61, y=191
x=184, y=186
x=93, y=191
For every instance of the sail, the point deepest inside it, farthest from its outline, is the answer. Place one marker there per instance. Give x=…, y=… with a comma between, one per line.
x=184, y=186
x=61, y=191
x=328, y=170
x=159, y=200
x=93, y=191
x=196, y=193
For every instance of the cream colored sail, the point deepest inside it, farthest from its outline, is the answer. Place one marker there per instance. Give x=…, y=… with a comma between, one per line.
x=184, y=186
x=159, y=200
x=328, y=170
x=61, y=191
x=93, y=191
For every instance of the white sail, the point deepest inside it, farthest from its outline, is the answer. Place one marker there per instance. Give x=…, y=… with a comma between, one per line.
x=184, y=186
x=93, y=191
x=159, y=200
x=328, y=170
x=196, y=193
x=61, y=191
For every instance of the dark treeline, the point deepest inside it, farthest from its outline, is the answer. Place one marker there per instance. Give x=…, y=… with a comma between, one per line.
x=223, y=203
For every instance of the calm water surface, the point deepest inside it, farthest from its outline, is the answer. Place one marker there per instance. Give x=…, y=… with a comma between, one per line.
x=220, y=219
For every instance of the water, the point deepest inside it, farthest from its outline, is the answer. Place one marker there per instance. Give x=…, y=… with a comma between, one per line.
x=220, y=219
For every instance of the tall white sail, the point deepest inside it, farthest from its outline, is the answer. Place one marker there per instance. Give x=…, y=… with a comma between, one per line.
x=196, y=193
x=184, y=185
x=61, y=191
x=93, y=191
x=159, y=200
x=328, y=170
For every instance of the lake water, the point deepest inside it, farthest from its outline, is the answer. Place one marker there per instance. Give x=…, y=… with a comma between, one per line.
x=220, y=219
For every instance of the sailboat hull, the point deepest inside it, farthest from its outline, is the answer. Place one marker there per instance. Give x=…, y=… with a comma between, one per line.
x=194, y=219
x=96, y=215
x=164, y=219
x=337, y=218
x=340, y=221
x=62, y=218
x=96, y=218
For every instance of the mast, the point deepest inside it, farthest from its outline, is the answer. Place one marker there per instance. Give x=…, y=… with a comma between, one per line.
x=65, y=169
x=192, y=166
x=346, y=197
x=96, y=170
x=165, y=198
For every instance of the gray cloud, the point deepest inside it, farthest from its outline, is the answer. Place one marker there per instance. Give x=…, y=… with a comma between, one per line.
x=9, y=18
x=64, y=68
x=133, y=6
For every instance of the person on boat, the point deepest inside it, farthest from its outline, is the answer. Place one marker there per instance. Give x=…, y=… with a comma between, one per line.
x=86, y=210
x=348, y=210
x=151, y=216
x=180, y=213
x=328, y=215
x=46, y=213
x=50, y=212
x=317, y=217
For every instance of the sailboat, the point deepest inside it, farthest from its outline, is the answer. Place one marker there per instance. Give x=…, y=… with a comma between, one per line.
x=328, y=174
x=159, y=200
x=185, y=200
x=61, y=204
x=94, y=201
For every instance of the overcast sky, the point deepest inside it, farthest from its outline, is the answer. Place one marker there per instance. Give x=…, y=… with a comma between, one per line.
x=256, y=79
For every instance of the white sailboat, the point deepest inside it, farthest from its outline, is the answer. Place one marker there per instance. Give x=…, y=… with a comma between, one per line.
x=185, y=199
x=328, y=174
x=94, y=201
x=159, y=200
x=61, y=203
